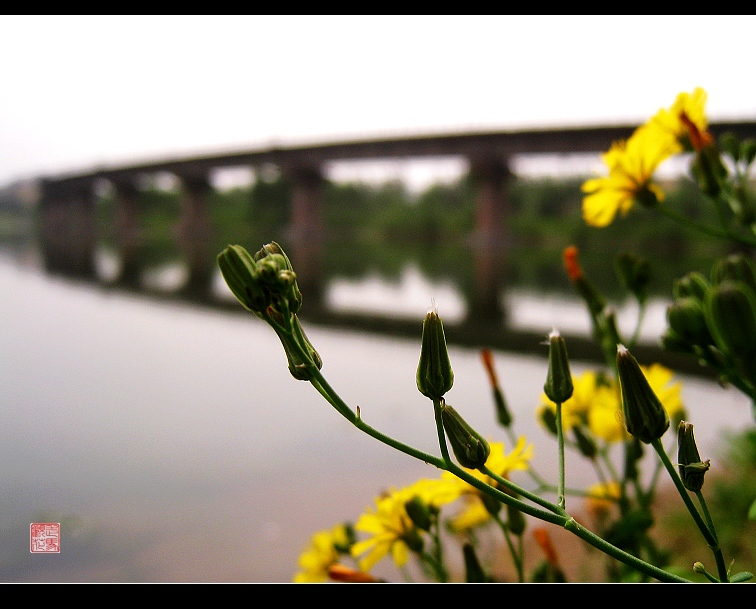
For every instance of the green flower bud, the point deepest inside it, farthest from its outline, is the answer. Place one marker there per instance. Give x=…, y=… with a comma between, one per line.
x=419, y=514
x=646, y=197
x=693, y=284
x=672, y=342
x=474, y=573
x=298, y=365
x=241, y=274
x=548, y=418
x=434, y=373
x=730, y=311
x=735, y=267
x=558, y=385
x=635, y=274
x=585, y=443
x=748, y=151
x=344, y=542
x=692, y=469
x=633, y=455
x=502, y=410
x=278, y=275
x=643, y=413
x=709, y=171
x=493, y=506
x=413, y=540
x=592, y=297
x=686, y=317
x=728, y=142
x=515, y=519
x=470, y=448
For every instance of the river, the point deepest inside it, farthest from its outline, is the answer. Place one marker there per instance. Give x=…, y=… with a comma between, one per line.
x=173, y=445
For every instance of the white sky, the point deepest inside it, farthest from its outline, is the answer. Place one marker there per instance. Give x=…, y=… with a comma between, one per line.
x=76, y=92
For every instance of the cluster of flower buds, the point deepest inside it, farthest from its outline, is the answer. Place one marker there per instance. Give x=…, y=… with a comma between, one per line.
x=267, y=285
x=716, y=320
x=264, y=283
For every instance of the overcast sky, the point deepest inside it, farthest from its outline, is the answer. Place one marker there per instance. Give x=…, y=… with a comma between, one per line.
x=76, y=92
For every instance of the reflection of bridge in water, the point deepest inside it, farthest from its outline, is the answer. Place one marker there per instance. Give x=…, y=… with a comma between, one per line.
x=69, y=239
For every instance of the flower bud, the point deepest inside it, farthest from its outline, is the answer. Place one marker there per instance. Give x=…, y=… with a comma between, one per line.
x=474, y=573
x=686, y=317
x=515, y=519
x=558, y=385
x=748, y=151
x=633, y=455
x=730, y=310
x=418, y=512
x=413, y=539
x=585, y=443
x=548, y=418
x=692, y=469
x=341, y=573
x=470, y=448
x=278, y=274
x=593, y=299
x=735, y=267
x=635, y=274
x=503, y=414
x=299, y=365
x=708, y=169
x=434, y=373
x=693, y=284
x=241, y=274
x=643, y=413
x=729, y=143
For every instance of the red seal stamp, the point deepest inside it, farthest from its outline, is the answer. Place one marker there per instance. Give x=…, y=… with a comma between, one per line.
x=44, y=537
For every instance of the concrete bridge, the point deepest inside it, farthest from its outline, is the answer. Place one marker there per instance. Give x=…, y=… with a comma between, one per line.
x=67, y=203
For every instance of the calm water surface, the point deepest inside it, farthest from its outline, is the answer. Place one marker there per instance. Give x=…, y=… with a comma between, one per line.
x=173, y=444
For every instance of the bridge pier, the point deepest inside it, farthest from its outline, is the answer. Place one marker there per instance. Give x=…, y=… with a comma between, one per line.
x=194, y=234
x=128, y=231
x=490, y=241
x=306, y=234
x=67, y=227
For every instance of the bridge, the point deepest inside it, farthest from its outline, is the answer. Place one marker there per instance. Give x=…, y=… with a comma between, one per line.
x=67, y=203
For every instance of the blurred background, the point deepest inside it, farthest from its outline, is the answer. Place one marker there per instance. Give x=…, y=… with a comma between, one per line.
x=155, y=419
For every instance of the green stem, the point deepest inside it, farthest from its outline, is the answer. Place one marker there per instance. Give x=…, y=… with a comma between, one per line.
x=638, y=325
x=705, y=229
x=516, y=557
x=560, y=444
x=556, y=515
x=537, y=499
x=440, y=429
x=707, y=515
x=710, y=538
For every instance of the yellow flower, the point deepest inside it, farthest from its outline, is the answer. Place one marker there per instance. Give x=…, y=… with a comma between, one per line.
x=631, y=164
x=670, y=394
x=474, y=513
x=576, y=410
x=685, y=121
x=601, y=498
x=321, y=554
x=596, y=402
x=388, y=524
x=605, y=417
x=390, y=528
